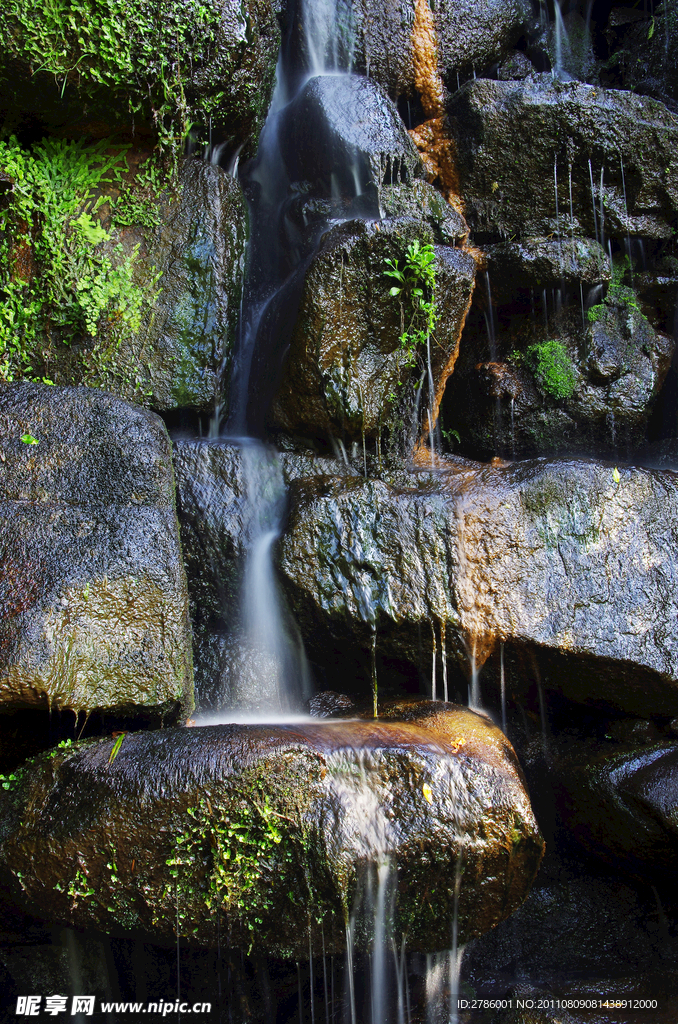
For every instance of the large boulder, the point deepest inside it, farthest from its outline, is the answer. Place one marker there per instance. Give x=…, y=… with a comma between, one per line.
x=572, y=562
x=621, y=147
x=344, y=124
x=545, y=263
x=199, y=66
x=242, y=829
x=94, y=608
x=346, y=373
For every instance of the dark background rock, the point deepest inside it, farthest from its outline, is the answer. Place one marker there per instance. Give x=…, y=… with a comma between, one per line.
x=94, y=609
x=508, y=135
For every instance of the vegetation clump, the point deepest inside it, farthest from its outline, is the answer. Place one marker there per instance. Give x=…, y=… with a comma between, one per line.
x=63, y=275
x=553, y=368
x=145, y=58
x=620, y=296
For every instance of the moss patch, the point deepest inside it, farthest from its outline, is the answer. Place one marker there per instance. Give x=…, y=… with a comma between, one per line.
x=63, y=275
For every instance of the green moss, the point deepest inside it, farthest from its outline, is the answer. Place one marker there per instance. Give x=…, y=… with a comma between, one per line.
x=141, y=54
x=553, y=368
x=62, y=274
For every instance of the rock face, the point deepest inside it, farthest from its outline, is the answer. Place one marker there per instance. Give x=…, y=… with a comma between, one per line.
x=562, y=388
x=469, y=37
x=172, y=72
x=94, y=602
x=256, y=824
x=199, y=251
x=559, y=558
x=346, y=373
x=508, y=135
x=181, y=353
x=342, y=123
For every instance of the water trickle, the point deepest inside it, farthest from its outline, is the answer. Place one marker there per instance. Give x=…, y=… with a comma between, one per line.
x=373, y=659
x=443, y=656
x=434, y=655
x=502, y=683
x=602, y=208
x=489, y=319
x=593, y=201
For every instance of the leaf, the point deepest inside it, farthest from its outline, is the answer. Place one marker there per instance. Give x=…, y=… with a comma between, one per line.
x=651, y=30
x=394, y=291
x=116, y=747
x=616, y=475
x=428, y=793
x=29, y=439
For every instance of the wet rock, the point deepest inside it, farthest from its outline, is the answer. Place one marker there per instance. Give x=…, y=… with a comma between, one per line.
x=561, y=388
x=180, y=357
x=329, y=704
x=197, y=71
x=344, y=124
x=346, y=373
x=545, y=263
x=594, y=933
x=558, y=559
x=621, y=804
x=94, y=603
x=508, y=134
x=515, y=67
x=255, y=824
x=468, y=37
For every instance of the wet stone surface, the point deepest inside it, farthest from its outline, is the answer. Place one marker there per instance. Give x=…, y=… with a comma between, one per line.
x=254, y=824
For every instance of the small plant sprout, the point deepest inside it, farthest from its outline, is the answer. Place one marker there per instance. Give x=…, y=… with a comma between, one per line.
x=29, y=439
x=415, y=288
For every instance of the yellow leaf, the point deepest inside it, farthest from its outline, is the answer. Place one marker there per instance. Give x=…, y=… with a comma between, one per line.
x=428, y=792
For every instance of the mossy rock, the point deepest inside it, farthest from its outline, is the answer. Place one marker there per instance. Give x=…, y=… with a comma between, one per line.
x=260, y=832
x=114, y=66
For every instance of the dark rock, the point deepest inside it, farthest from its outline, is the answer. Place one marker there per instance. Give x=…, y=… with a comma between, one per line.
x=515, y=67
x=582, y=929
x=640, y=45
x=329, y=704
x=343, y=124
x=621, y=805
x=94, y=602
x=545, y=263
x=346, y=373
x=256, y=824
x=558, y=559
x=509, y=133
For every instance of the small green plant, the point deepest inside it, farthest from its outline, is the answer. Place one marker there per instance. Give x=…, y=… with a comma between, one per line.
x=416, y=291
x=29, y=439
x=618, y=295
x=8, y=781
x=553, y=368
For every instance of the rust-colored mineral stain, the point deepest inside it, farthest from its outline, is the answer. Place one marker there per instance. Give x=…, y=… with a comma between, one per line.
x=432, y=138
